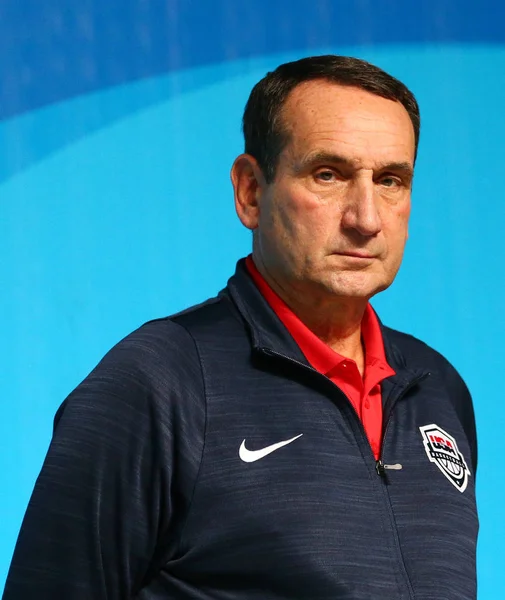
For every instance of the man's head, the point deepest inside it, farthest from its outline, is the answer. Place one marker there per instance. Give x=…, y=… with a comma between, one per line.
x=265, y=132
x=325, y=181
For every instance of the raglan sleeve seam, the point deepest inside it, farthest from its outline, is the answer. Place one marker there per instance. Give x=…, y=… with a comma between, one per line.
x=465, y=411
x=204, y=436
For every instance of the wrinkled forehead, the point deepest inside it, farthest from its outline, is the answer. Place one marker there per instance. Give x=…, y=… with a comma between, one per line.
x=346, y=120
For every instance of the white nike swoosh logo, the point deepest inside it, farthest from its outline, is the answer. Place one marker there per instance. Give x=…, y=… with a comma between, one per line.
x=250, y=456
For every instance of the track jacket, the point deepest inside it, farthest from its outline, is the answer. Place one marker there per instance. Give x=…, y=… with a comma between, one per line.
x=204, y=458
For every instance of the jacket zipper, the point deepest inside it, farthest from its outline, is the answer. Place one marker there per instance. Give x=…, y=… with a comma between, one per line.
x=288, y=358
x=382, y=469
x=380, y=466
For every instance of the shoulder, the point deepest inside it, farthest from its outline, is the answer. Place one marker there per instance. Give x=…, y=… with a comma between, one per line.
x=161, y=358
x=443, y=375
x=165, y=349
x=415, y=353
x=153, y=357
x=154, y=368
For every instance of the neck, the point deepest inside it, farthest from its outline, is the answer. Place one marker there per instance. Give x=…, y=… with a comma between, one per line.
x=334, y=320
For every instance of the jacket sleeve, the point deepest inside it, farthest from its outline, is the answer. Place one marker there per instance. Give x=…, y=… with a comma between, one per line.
x=104, y=511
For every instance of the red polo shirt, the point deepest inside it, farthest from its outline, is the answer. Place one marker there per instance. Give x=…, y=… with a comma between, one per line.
x=364, y=393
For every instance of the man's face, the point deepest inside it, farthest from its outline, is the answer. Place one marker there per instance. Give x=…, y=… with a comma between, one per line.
x=334, y=220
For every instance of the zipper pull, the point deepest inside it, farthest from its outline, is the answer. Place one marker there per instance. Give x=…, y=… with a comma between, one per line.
x=381, y=468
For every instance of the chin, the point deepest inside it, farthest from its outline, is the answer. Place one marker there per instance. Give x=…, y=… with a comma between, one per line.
x=356, y=285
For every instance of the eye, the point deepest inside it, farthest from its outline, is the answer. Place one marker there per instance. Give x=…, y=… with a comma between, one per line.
x=325, y=175
x=390, y=181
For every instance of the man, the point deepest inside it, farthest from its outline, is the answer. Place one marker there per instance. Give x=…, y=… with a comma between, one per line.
x=276, y=442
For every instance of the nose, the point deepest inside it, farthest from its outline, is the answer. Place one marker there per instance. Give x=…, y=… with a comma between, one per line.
x=360, y=211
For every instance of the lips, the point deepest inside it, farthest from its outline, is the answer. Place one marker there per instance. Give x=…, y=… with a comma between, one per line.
x=357, y=254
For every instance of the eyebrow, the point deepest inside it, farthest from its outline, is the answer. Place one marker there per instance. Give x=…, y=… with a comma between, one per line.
x=331, y=158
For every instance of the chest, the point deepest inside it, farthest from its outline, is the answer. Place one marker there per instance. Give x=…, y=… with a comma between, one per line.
x=288, y=492
x=280, y=448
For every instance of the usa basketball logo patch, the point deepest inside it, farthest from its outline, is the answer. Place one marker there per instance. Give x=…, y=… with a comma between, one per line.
x=442, y=450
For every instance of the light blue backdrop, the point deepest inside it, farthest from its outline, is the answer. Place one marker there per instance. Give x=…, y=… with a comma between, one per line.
x=116, y=207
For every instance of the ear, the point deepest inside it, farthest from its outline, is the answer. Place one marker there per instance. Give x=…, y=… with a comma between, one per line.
x=248, y=184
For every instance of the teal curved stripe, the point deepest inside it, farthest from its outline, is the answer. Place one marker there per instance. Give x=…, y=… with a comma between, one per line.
x=31, y=137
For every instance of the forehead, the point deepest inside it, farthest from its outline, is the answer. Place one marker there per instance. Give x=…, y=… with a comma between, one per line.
x=365, y=127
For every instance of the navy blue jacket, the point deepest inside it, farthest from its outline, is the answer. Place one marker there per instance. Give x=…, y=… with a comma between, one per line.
x=144, y=494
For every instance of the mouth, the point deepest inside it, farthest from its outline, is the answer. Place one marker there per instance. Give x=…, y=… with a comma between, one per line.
x=360, y=254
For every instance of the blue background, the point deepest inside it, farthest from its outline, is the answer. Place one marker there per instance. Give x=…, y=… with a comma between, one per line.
x=118, y=125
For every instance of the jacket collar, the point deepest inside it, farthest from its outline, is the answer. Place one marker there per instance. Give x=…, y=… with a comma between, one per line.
x=266, y=329
x=268, y=332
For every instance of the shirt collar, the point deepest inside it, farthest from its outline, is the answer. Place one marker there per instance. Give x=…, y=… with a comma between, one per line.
x=319, y=354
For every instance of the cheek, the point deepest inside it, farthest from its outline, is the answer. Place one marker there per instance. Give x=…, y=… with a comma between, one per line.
x=395, y=227
x=302, y=216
